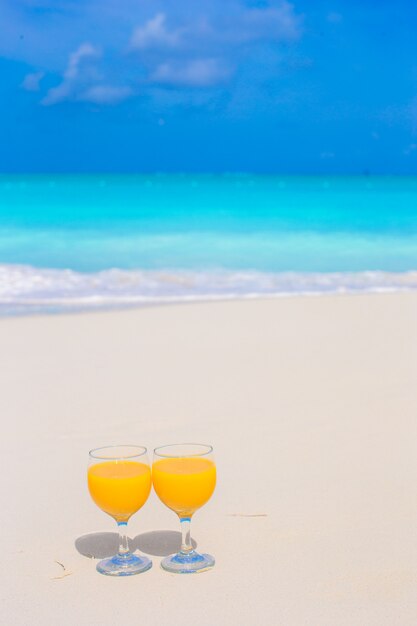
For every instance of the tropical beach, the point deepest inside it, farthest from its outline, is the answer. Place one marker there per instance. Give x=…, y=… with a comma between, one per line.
x=208, y=304
x=310, y=406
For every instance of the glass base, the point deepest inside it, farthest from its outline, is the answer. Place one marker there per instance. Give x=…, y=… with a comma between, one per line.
x=128, y=565
x=190, y=563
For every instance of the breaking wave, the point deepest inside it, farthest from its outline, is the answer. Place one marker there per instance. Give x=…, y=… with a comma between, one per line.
x=28, y=290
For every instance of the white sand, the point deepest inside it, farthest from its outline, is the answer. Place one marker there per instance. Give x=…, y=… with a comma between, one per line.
x=311, y=406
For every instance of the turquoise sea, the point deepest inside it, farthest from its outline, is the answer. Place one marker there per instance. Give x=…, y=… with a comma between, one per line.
x=75, y=242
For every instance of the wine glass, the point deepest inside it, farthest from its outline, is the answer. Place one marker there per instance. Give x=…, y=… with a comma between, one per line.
x=119, y=482
x=184, y=478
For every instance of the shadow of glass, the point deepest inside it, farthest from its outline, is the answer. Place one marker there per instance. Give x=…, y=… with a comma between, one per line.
x=98, y=545
x=157, y=543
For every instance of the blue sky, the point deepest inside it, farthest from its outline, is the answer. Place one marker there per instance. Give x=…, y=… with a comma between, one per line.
x=328, y=86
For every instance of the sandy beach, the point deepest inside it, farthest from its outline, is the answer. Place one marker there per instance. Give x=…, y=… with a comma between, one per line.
x=310, y=404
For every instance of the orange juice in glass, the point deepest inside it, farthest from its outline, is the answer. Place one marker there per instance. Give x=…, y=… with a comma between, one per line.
x=184, y=478
x=119, y=482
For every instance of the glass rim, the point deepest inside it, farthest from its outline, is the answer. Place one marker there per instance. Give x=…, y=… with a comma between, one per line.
x=93, y=453
x=208, y=450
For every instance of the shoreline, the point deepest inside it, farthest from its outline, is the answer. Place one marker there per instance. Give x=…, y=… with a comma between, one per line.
x=199, y=301
x=26, y=290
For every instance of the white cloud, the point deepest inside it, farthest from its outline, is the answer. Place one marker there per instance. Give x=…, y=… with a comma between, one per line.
x=154, y=34
x=73, y=75
x=105, y=94
x=276, y=24
x=79, y=81
x=57, y=94
x=84, y=51
x=31, y=82
x=201, y=50
x=197, y=45
x=196, y=73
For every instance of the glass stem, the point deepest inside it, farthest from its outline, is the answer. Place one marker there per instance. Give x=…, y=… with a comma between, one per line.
x=186, y=545
x=123, y=540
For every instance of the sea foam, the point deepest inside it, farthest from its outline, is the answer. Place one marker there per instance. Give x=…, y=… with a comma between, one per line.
x=27, y=290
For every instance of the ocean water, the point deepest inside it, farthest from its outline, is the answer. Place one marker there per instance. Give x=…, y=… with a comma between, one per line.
x=77, y=242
